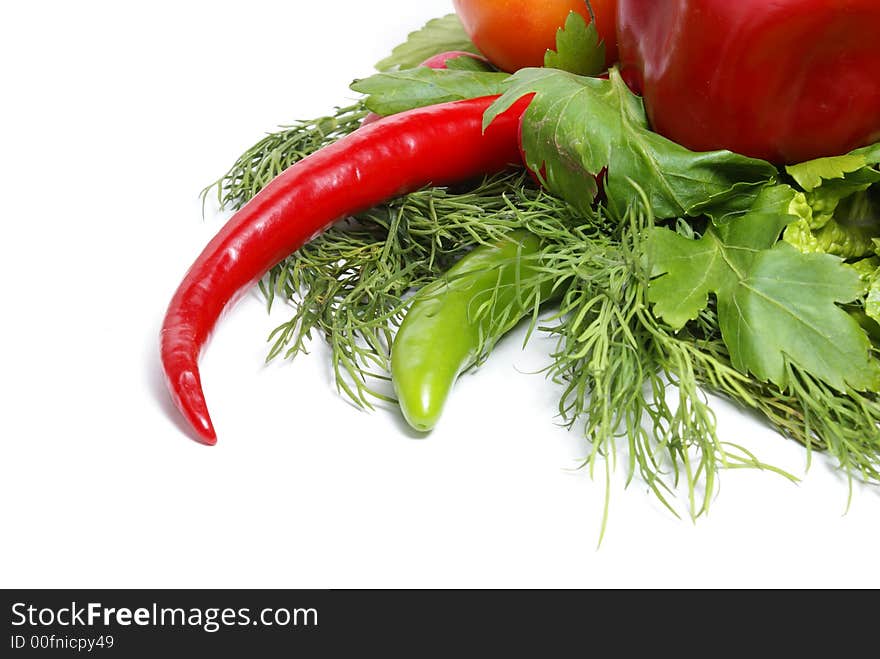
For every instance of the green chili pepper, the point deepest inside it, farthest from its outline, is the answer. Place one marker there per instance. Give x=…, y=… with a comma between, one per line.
x=454, y=321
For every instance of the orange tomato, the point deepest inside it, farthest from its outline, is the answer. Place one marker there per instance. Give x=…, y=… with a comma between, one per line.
x=515, y=34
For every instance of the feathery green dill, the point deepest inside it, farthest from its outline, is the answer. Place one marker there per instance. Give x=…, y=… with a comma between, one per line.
x=629, y=382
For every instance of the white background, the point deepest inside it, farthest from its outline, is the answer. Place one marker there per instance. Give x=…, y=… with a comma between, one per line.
x=114, y=116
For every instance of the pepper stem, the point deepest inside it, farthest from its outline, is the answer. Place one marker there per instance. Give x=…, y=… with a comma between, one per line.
x=592, y=13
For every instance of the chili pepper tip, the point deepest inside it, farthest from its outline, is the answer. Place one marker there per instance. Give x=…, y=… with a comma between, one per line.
x=190, y=400
x=205, y=430
x=199, y=420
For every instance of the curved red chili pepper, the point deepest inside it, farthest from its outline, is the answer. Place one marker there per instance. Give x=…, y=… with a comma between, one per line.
x=435, y=145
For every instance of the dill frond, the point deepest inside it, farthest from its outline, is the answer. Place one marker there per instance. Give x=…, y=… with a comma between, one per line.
x=626, y=381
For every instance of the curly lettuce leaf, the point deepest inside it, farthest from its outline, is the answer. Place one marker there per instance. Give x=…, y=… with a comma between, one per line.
x=775, y=305
x=840, y=215
x=868, y=270
x=578, y=129
x=831, y=238
x=872, y=298
x=826, y=182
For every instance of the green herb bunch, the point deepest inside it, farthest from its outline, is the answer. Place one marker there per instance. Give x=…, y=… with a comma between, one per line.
x=679, y=275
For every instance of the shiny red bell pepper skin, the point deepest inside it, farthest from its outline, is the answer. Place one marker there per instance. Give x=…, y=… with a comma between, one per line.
x=786, y=81
x=436, y=145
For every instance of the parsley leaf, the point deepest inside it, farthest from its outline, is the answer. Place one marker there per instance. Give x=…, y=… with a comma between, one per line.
x=437, y=36
x=578, y=48
x=398, y=91
x=576, y=128
x=812, y=173
x=775, y=305
x=465, y=63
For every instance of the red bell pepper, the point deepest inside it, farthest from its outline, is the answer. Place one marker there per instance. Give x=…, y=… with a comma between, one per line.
x=787, y=81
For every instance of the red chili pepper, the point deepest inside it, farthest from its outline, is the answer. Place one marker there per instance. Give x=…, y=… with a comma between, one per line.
x=787, y=81
x=436, y=145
